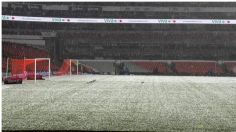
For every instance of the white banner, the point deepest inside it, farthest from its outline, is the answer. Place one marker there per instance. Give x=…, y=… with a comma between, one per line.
x=117, y=21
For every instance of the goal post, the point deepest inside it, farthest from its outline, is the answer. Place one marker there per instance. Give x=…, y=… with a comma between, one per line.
x=76, y=63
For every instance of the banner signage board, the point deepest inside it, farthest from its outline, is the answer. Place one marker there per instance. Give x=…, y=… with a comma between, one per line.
x=117, y=21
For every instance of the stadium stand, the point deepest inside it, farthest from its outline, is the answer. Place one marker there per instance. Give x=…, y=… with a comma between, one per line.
x=103, y=66
x=4, y=64
x=197, y=68
x=14, y=50
x=156, y=67
x=171, y=10
x=135, y=68
x=231, y=67
x=127, y=41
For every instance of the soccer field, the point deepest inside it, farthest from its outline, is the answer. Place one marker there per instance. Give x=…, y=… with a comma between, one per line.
x=127, y=103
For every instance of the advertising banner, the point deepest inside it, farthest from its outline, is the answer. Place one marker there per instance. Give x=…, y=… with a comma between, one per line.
x=117, y=21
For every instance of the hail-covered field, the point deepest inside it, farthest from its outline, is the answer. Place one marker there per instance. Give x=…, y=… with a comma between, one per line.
x=107, y=102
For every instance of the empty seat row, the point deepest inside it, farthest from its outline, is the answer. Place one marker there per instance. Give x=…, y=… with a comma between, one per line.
x=199, y=68
x=14, y=50
x=157, y=67
x=231, y=67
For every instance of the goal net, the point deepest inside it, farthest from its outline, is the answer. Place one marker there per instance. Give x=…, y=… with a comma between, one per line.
x=73, y=67
x=31, y=68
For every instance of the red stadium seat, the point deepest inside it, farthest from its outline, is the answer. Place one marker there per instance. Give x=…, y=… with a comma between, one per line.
x=197, y=68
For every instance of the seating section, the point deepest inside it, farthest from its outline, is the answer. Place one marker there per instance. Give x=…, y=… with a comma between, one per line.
x=4, y=64
x=126, y=10
x=155, y=67
x=231, y=67
x=99, y=66
x=197, y=68
x=133, y=68
x=20, y=51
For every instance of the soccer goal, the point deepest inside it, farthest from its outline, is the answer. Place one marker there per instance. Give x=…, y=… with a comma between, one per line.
x=73, y=67
x=68, y=67
x=31, y=69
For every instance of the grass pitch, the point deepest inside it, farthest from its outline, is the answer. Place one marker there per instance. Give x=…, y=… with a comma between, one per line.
x=127, y=103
